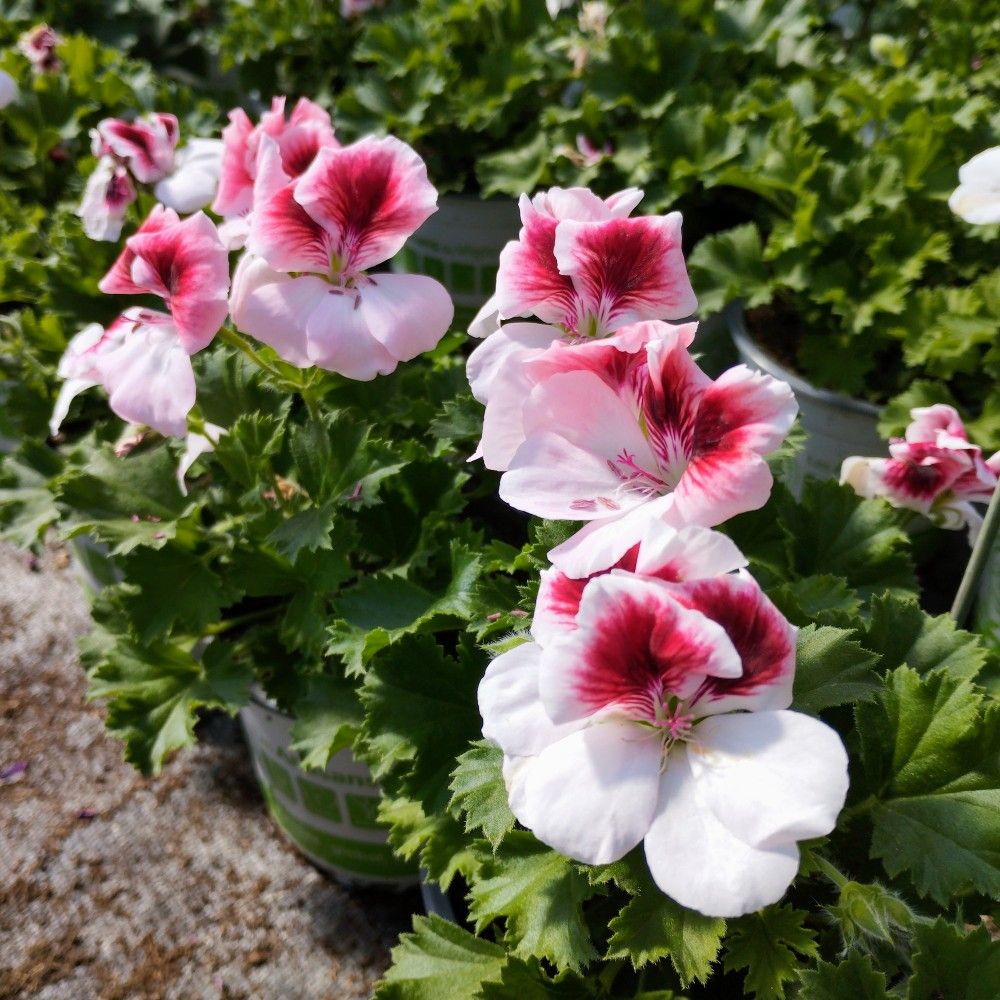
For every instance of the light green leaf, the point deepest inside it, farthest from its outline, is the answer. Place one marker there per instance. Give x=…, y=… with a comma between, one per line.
x=540, y=894
x=480, y=792
x=770, y=945
x=327, y=719
x=930, y=757
x=439, y=961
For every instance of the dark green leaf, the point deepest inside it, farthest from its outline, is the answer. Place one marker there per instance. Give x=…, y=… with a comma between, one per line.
x=770, y=945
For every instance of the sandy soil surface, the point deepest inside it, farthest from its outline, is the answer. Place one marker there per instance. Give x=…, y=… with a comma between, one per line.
x=120, y=888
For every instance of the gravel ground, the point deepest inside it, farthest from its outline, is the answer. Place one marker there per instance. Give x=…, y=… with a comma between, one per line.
x=120, y=888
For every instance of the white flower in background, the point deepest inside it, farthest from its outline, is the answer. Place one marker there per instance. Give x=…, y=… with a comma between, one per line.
x=554, y=6
x=8, y=89
x=196, y=445
x=195, y=176
x=977, y=197
x=106, y=199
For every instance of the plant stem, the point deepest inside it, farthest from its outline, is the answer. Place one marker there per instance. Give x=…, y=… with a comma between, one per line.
x=981, y=552
x=226, y=624
x=232, y=338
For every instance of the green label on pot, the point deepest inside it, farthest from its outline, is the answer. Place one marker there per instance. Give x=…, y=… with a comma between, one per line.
x=331, y=817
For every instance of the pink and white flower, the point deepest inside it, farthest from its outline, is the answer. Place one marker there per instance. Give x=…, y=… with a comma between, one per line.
x=306, y=131
x=303, y=287
x=630, y=430
x=194, y=178
x=586, y=268
x=106, y=199
x=934, y=470
x=143, y=359
x=146, y=145
x=977, y=197
x=39, y=45
x=653, y=708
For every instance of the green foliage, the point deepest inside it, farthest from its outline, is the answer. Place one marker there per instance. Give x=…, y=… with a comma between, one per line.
x=769, y=945
x=479, y=791
x=950, y=963
x=853, y=977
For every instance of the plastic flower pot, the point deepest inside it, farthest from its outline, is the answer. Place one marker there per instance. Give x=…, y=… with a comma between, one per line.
x=93, y=564
x=837, y=426
x=460, y=245
x=329, y=816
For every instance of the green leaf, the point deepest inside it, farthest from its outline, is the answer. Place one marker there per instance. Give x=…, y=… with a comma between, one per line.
x=420, y=714
x=832, y=669
x=527, y=980
x=929, y=749
x=652, y=926
x=327, y=719
x=174, y=586
x=904, y=634
x=869, y=912
x=770, y=945
x=823, y=599
x=307, y=530
x=540, y=894
x=27, y=506
x=834, y=532
x=728, y=266
x=854, y=978
x=480, y=792
x=153, y=693
x=955, y=966
x=439, y=961
x=245, y=452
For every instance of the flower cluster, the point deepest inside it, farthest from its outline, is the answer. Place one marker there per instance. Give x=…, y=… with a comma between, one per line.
x=39, y=47
x=652, y=705
x=934, y=470
x=144, y=151
x=315, y=216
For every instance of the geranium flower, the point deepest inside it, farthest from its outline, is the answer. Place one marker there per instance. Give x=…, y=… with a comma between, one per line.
x=307, y=130
x=601, y=298
x=630, y=430
x=143, y=359
x=303, y=287
x=934, y=470
x=39, y=45
x=106, y=199
x=9, y=91
x=145, y=146
x=652, y=708
x=977, y=197
x=194, y=179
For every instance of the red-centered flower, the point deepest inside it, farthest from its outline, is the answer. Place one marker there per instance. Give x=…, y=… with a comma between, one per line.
x=106, y=199
x=303, y=287
x=185, y=264
x=630, y=430
x=299, y=137
x=652, y=708
x=145, y=145
x=39, y=46
x=934, y=470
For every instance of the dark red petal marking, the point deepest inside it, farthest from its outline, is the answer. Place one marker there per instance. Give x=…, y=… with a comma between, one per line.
x=530, y=273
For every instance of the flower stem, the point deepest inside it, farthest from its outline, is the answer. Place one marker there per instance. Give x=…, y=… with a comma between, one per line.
x=226, y=624
x=232, y=338
x=981, y=552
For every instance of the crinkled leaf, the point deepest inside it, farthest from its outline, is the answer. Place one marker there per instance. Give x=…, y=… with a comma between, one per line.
x=930, y=753
x=953, y=965
x=540, y=895
x=824, y=599
x=770, y=945
x=439, y=961
x=153, y=693
x=854, y=978
x=307, y=530
x=327, y=719
x=832, y=669
x=480, y=792
x=245, y=451
x=528, y=980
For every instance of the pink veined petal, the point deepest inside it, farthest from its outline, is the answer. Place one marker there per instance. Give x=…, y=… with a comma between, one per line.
x=235, y=194
x=761, y=635
x=928, y=421
x=339, y=340
x=602, y=543
x=281, y=230
x=275, y=307
x=188, y=266
x=370, y=197
x=697, y=861
x=670, y=398
x=118, y=280
x=406, y=313
x=770, y=778
x=559, y=597
x=688, y=553
x=721, y=484
x=744, y=409
x=149, y=378
x=625, y=270
x=147, y=144
x=106, y=199
x=592, y=794
x=633, y=649
x=513, y=715
x=528, y=280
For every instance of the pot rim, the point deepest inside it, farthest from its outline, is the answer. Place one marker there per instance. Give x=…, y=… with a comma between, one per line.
x=748, y=346
x=261, y=700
